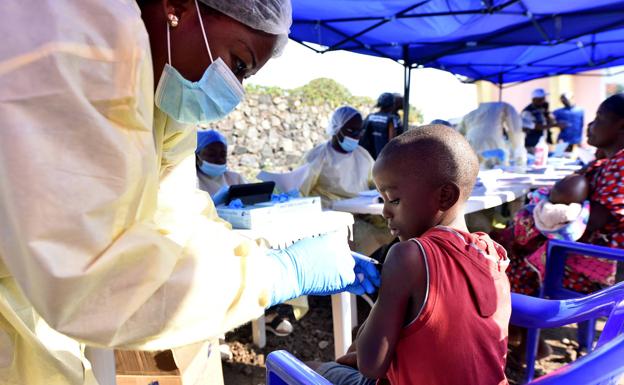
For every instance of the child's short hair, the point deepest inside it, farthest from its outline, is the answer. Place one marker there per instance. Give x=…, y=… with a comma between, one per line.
x=437, y=152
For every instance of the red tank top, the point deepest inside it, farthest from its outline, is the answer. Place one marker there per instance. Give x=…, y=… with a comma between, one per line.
x=460, y=335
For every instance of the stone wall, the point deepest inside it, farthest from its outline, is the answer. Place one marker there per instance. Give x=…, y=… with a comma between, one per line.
x=274, y=132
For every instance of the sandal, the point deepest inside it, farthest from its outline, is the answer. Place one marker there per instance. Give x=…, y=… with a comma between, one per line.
x=278, y=325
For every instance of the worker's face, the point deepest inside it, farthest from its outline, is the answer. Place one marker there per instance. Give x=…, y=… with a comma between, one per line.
x=244, y=50
x=352, y=128
x=215, y=152
x=539, y=101
x=604, y=130
x=409, y=207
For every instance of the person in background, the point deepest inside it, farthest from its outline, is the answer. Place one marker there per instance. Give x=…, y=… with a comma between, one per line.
x=570, y=119
x=536, y=119
x=380, y=127
x=398, y=120
x=211, y=163
x=341, y=169
x=495, y=126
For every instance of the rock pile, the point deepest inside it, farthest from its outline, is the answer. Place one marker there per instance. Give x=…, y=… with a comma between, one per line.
x=273, y=132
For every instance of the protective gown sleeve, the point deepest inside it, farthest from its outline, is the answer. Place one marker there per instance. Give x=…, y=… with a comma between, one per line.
x=101, y=252
x=314, y=159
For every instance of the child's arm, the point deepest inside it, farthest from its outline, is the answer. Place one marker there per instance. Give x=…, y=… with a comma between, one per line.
x=403, y=284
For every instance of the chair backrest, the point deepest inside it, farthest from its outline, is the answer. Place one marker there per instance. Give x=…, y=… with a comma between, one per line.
x=558, y=251
x=282, y=368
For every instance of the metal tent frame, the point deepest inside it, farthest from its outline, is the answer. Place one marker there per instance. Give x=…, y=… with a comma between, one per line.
x=537, y=31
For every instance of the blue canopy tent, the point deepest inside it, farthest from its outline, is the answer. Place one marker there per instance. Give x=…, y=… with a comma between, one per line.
x=501, y=41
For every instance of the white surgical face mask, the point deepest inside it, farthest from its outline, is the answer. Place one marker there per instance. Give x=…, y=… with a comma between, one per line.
x=211, y=98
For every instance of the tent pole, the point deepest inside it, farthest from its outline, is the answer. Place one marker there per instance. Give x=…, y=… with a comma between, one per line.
x=500, y=87
x=407, y=80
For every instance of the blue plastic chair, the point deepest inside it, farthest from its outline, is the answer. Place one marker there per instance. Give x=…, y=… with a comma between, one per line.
x=557, y=253
x=531, y=312
x=601, y=367
x=282, y=368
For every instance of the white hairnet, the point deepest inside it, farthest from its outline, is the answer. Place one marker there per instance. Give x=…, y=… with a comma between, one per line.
x=338, y=119
x=270, y=16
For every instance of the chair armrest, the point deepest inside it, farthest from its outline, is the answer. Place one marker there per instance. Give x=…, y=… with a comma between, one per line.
x=532, y=312
x=283, y=368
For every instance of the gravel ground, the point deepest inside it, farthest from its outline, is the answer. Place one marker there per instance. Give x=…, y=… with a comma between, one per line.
x=312, y=340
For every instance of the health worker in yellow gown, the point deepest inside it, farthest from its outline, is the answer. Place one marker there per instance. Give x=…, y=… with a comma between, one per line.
x=105, y=240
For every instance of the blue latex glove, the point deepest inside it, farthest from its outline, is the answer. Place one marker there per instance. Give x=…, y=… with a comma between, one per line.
x=367, y=275
x=220, y=196
x=236, y=204
x=284, y=197
x=279, y=198
x=320, y=266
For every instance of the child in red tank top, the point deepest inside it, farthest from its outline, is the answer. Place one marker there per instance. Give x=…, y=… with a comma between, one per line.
x=444, y=304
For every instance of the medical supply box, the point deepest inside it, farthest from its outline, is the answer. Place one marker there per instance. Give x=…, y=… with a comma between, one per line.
x=269, y=213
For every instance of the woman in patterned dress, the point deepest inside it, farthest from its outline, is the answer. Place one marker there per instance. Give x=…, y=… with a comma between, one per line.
x=527, y=246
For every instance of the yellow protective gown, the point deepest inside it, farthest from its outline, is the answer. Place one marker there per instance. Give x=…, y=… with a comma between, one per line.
x=335, y=175
x=99, y=243
x=484, y=129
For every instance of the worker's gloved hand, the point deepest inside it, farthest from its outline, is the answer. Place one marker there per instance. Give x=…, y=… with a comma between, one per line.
x=367, y=275
x=319, y=266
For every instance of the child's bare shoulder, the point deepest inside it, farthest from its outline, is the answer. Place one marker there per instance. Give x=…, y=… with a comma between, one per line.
x=404, y=275
x=404, y=258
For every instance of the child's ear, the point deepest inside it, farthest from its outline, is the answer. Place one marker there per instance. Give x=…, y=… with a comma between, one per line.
x=449, y=195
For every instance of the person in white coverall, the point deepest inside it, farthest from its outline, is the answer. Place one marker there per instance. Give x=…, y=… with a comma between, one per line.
x=105, y=239
x=494, y=130
x=339, y=169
